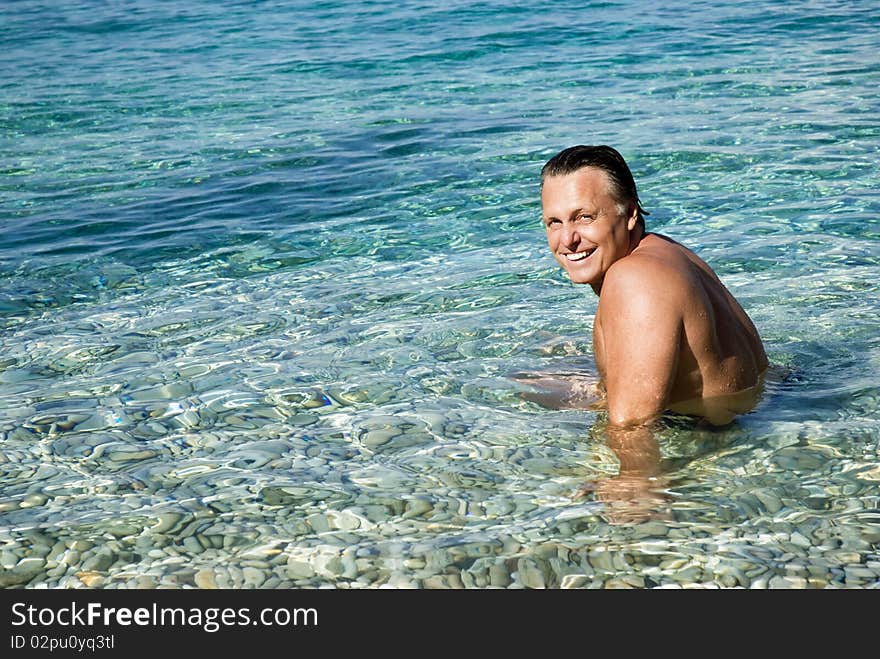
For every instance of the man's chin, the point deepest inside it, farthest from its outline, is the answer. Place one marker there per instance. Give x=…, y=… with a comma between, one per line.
x=578, y=278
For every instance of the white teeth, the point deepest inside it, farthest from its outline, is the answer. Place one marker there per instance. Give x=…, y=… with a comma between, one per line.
x=577, y=256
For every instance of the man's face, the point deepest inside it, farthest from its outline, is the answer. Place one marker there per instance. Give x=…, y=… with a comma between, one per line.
x=586, y=229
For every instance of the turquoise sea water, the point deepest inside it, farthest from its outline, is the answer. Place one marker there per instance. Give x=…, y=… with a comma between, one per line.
x=265, y=269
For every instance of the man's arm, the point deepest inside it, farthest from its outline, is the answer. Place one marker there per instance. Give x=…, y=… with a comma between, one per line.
x=641, y=327
x=641, y=330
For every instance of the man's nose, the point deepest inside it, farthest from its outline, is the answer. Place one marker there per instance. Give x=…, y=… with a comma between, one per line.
x=570, y=236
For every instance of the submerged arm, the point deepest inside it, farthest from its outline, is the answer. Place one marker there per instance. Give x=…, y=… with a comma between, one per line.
x=636, y=493
x=641, y=334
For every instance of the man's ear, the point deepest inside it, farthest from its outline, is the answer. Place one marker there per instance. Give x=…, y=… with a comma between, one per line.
x=633, y=217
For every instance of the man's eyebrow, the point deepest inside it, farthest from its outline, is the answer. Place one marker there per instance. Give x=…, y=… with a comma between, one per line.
x=582, y=211
x=574, y=212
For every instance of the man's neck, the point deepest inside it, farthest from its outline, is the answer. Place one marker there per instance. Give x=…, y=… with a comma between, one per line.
x=636, y=237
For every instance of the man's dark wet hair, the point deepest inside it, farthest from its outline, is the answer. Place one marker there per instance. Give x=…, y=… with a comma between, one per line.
x=605, y=158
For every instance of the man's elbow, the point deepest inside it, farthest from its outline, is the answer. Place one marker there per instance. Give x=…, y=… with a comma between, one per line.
x=624, y=421
x=639, y=414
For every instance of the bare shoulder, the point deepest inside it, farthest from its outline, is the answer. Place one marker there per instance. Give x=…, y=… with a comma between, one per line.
x=653, y=275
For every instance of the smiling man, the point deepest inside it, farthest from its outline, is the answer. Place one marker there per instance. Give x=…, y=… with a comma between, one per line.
x=667, y=334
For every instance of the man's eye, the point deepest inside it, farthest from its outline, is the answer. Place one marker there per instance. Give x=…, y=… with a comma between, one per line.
x=585, y=218
x=553, y=222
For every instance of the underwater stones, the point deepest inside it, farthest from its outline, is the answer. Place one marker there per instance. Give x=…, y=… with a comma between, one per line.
x=418, y=507
x=726, y=581
x=145, y=581
x=30, y=565
x=443, y=581
x=16, y=375
x=437, y=560
x=81, y=445
x=33, y=500
x=302, y=419
x=625, y=582
x=347, y=520
x=40, y=546
x=272, y=582
x=317, y=400
x=318, y=522
x=167, y=522
x=131, y=454
x=18, y=411
x=235, y=576
x=70, y=557
x=253, y=577
x=434, y=420
x=91, y=579
x=689, y=574
x=259, y=554
x=8, y=559
x=297, y=569
x=234, y=420
x=23, y=572
x=540, y=465
x=82, y=545
x=651, y=529
x=286, y=496
x=329, y=566
x=192, y=545
x=379, y=476
x=771, y=503
x=122, y=529
x=453, y=579
x=529, y=574
x=6, y=506
x=731, y=576
x=800, y=540
x=388, y=422
x=99, y=561
x=44, y=424
x=341, y=488
x=622, y=561
x=870, y=533
x=349, y=565
x=101, y=421
x=20, y=434
x=264, y=412
x=575, y=581
x=843, y=557
x=271, y=448
x=470, y=580
x=857, y=575
x=602, y=560
x=189, y=419
x=375, y=438
x=171, y=391
x=796, y=458
x=779, y=581
x=250, y=459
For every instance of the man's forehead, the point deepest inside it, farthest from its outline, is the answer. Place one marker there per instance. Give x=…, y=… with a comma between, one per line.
x=585, y=185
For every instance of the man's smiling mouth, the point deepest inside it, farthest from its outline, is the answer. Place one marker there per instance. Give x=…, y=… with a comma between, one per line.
x=579, y=256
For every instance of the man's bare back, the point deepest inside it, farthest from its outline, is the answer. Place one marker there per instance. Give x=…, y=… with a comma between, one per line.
x=667, y=334
x=720, y=360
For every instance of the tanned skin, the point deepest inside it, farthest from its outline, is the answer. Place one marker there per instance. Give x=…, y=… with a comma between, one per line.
x=667, y=334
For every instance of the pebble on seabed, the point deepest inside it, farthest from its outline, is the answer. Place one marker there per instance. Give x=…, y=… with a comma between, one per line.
x=336, y=495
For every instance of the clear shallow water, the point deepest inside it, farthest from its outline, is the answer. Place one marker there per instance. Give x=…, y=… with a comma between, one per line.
x=265, y=269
